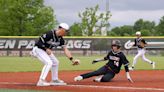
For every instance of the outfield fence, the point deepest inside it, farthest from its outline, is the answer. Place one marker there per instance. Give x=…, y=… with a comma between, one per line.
x=21, y=46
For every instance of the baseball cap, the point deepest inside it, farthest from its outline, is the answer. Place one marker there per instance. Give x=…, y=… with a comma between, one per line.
x=64, y=25
x=138, y=33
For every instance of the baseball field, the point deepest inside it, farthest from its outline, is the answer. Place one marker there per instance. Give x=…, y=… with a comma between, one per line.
x=20, y=74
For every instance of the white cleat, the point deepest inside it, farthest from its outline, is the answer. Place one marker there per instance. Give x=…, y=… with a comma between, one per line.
x=153, y=65
x=78, y=78
x=57, y=82
x=98, y=79
x=131, y=68
x=42, y=83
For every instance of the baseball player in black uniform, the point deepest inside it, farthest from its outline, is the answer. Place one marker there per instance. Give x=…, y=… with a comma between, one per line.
x=106, y=73
x=141, y=44
x=43, y=51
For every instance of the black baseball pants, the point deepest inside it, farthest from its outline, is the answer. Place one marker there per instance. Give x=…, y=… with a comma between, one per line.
x=107, y=74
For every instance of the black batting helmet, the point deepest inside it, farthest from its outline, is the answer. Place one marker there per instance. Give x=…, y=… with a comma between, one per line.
x=116, y=43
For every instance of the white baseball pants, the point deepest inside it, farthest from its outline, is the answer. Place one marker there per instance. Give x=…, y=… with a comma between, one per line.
x=141, y=52
x=49, y=61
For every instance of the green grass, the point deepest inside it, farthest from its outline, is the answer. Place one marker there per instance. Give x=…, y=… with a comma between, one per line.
x=24, y=64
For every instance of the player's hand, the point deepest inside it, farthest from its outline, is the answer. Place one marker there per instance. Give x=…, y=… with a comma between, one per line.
x=48, y=51
x=128, y=77
x=94, y=61
x=76, y=62
x=97, y=60
x=130, y=80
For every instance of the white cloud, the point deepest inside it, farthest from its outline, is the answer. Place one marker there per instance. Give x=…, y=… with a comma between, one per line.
x=124, y=12
x=129, y=17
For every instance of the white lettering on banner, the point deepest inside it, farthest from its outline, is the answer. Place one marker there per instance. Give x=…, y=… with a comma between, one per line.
x=27, y=44
x=22, y=43
x=78, y=44
x=129, y=44
x=4, y=44
x=30, y=44
x=70, y=44
x=87, y=44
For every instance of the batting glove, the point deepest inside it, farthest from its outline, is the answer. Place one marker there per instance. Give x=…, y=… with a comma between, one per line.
x=94, y=61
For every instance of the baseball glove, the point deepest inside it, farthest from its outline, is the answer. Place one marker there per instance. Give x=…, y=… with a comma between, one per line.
x=76, y=62
x=142, y=44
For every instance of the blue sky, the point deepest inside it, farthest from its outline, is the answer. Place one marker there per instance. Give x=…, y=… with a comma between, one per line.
x=124, y=12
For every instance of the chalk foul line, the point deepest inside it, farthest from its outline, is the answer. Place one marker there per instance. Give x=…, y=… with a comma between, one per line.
x=92, y=86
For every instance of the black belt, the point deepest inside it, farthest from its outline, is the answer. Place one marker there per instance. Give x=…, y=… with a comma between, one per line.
x=109, y=68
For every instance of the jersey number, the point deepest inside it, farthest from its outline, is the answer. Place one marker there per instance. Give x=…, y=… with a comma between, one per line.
x=116, y=63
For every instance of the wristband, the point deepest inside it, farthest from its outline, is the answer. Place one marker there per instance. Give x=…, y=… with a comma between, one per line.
x=71, y=58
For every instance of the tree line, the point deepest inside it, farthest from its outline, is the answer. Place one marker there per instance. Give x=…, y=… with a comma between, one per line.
x=32, y=18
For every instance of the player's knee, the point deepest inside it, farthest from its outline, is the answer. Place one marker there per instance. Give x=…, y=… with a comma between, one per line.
x=49, y=63
x=55, y=63
x=105, y=79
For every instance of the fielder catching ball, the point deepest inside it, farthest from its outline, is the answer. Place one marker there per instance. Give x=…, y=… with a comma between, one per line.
x=107, y=72
x=141, y=44
x=43, y=51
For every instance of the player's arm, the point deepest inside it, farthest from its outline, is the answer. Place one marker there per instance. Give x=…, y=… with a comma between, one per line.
x=126, y=64
x=99, y=60
x=69, y=55
x=128, y=74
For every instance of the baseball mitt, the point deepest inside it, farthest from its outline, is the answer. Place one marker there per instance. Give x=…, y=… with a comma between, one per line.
x=76, y=62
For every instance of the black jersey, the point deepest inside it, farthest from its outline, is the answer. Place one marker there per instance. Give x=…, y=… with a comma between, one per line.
x=50, y=40
x=137, y=42
x=115, y=61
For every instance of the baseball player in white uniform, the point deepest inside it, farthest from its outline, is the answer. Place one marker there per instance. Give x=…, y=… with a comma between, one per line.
x=141, y=44
x=43, y=51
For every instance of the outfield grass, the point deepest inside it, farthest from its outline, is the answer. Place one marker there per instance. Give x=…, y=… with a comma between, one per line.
x=25, y=64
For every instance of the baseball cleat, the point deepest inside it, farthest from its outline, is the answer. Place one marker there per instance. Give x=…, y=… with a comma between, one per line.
x=153, y=65
x=57, y=82
x=78, y=78
x=98, y=79
x=42, y=83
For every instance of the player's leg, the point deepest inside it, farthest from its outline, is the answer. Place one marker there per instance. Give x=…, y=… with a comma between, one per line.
x=105, y=78
x=147, y=60
x=135, y=59
x=98, y=72
x=44, y=58
x=54, y=71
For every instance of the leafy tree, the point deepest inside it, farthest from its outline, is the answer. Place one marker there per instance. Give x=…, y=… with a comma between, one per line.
x=121, y=31
x=160, y=27
x=25, y=17
x=92, y=21
x=76, y=30
x=144, y=25
x=145, y=32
